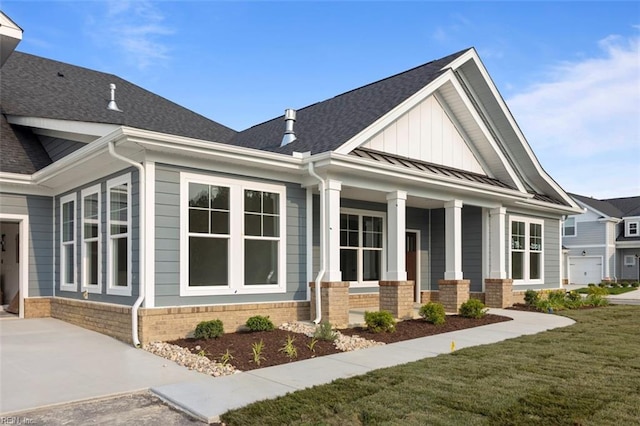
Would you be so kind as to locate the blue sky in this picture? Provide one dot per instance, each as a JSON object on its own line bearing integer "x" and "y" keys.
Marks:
{"x": 569, "y": 71}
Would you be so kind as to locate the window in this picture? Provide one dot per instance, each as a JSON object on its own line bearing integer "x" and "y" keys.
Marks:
{"x": 232, "y": 236}
{"x": 527, "y": 264}
{"x": 569, "y": 228}
{"x": 91, "y": 256}
{"x": 68, "y": 243}
{"x": 118, "y": 236}
{"x": 631, "y": 228}
{"x": 629, "y": 260}
{"x": 361, "y": 246}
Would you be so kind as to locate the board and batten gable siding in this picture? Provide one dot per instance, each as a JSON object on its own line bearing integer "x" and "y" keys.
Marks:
{"x": 134, "y": 235}
{"x": 167, "y": 242}
{"x": 39, "y": 210}
{"x": 426, "y": 133}
{"x": 59, "y": 148}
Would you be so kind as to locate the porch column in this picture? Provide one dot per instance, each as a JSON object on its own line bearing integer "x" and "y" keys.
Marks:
{"x": 497, "y": 241}
{"x": 396, "y": 219}
{"x": 453, "y": 240}
{"x": 332, "y": 231}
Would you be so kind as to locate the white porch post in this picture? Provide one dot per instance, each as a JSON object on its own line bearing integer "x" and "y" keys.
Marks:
{"x": 396, "y": 216}
{"x": 498, "y": 267}
{"x": 453, "y": 240}
{"x": 332, "y": 215}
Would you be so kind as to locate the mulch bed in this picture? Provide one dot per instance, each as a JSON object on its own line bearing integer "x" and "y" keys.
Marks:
{"x": 240, "y": 344}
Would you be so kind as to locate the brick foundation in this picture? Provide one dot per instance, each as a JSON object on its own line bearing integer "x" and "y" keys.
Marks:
{"x": 112, "y": 320}
{"x": 477, "y": 295}
{"x": 498, "y": 292}
{"x": 517, "y": 297}
{"x": 363, "y": 300}
{"x": 453, "y": 293}
{"x": 429, "y": 296}
{"x": 334, "y": 297}
{"x": 37, "y": 307}
{"x": 397, "y": 298}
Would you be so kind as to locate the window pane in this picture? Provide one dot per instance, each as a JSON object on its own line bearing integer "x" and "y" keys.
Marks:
{"x": 198, "y": 195}
{"x": 371, "y": 265}
{"x": 119, "y": 264}
{"x": 118, "y": 228}
{"x": 198, "y": 221}
{"x": 119, "y": 201}
{"x": 220, "y": 197}
{"x": 69, "y": 269}
{"x": 517, "y": 265}
{"x": 517, "y": 236}
{"x": 344, "y": 238}
{"x": 354, "y": 239}
{"x": 91, "y": 206}
{"x": 219, "y": 222}
{"x": 252, "y": 201}
{"x": 252, "y": 225}
{"x": 349, "y": 264}
{"x": 67, "y": 221}
{"x": 270, "y": 226}
{"x": 92, "y": 262}
{"x": 534, "y": 266}
{"x": 90, "y": 230}
{"x": 260, "y": 262}
{"x": 208, "y": 261}
{"x": 371, "y": 224}
{"x": 372, "y": 240}
{"x": 270, "y": 203}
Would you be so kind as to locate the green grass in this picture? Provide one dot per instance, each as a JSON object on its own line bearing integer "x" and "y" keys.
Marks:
{"x": 585, "y": 374}
{"x": 611, "y": 290}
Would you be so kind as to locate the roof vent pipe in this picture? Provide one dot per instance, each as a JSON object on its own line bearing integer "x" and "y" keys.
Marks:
{"x": 112, "y": 103}
{"x": 289, "y": 134}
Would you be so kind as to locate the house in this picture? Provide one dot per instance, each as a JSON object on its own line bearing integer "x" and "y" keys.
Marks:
{"x": 603, "y": 242}
{"x": 138, "y": 218}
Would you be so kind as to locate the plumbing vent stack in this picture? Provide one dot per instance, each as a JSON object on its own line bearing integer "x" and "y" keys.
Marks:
{"x": 289, "y": 120}
{"x": 112, "y": 106}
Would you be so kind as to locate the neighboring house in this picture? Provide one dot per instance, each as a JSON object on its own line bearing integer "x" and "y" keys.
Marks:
{"x": 138, "y": 218}
{"x": 603, "y": 242}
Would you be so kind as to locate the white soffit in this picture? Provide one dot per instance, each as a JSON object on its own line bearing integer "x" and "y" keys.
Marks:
{"x": 79, "y": 131}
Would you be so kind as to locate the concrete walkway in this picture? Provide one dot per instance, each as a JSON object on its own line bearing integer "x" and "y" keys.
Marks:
{"x": 47, "y": 361}
{"x": 208, "y": 398}
{"x": 629, "y": 298}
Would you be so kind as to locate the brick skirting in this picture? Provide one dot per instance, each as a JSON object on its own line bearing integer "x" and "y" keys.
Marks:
{"x": 363, "y": 300}
{"x": 334, "y": 299}
{"x": 106, "y": 318}
{"x": 37, "y": 307}
{"x": 397, "y": 298}
{"x": 498, "y": 292}
{"x": 453, "y": 293}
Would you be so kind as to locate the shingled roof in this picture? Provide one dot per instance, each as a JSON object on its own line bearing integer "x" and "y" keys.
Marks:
{"x": 613, "y": 207}
{"x": 20, "y": 150}
{"x": 327, "y": 125}
{"x": 33, "y": 86}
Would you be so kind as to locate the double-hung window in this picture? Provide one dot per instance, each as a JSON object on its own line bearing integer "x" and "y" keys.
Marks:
{"x": 119, "y": 235}
{"x": 527, "y": 252}
{"x": 569, "y": 227}
{"x": 68, "y": 243}
{"x": 632, "y": 228}
{"x": 91, "y": 256}
{"x": 232, "y": 236}
{"x": 361, "y": 247}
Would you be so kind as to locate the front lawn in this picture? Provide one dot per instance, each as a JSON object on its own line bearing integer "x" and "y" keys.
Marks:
{"x": 610, "y": 290}
{"x": 585, "y": 374}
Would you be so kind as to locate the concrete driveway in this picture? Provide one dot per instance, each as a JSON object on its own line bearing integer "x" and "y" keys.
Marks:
{"x": 46, "y": 361}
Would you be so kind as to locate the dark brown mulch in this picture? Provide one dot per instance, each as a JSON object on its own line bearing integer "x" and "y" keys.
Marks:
{"x": 240, "y": 344}
{"x": 523, "y": 307}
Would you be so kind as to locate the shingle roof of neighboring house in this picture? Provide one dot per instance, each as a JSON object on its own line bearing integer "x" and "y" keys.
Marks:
{"x": 603, "y": 206}
{"x": 20, "y": 150}
{"x": 327, "y": 125}
{"x": 37, "y": 87}
{"x": 629, "y": 206}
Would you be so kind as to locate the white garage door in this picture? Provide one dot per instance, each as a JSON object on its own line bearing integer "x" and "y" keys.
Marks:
{"x": 585, "y": 270}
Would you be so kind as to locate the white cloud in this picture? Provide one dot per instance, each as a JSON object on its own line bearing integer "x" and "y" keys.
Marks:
{"x": 583, "y": 121}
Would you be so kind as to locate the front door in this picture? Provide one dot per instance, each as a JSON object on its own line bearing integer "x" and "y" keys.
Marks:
{"x": 411, "y": 262}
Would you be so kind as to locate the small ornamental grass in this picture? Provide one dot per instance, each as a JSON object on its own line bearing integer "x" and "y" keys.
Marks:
{"x": 324, "y": 331}
{"x": 260, "y": 323}
{"x": 433, "y": 312}
{"x": 380, "y": 321}
{"x": 472, "y": 308}
{"x": 209, "y": 329}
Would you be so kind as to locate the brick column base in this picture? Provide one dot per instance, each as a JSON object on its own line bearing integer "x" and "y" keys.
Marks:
{"x": 498, "y": 292}
{"x": 37, "y": 307}
{"x": 334, "y": 299}
{"x": 397, "y": 298}
{"x": 453, "y": 293}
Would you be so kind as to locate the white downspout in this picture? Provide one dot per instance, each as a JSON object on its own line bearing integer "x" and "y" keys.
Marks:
{"x": 141, "y": 241}
{"x": 323, "y": 257}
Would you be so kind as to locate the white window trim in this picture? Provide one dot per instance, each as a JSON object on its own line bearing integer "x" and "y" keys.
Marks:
{"x": 111, "y": 288}
{"x": 68, "y": 286}
{"x": 575, "y": 228}
{"x": 236, "y": 237}
{"x": 91, "y": 288}
{"x": 627, "y": 227}
{"x": 527, "y": 272}
{"x": 629, "y": 260}
{"x": 383, "y": 263}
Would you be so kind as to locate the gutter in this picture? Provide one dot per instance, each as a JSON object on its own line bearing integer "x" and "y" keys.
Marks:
{"x": 141, "y": 241}
{"x": 323, "y": 257}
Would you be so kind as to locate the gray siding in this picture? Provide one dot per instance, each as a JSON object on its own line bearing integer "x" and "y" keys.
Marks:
{"x": 419, "y": 219}
{"x": 437, "y": 247}
{"x": 167, "y": 251}
{"x": 586, "y": 233}
{"x": 472, "y": 246}
{"x": 59, "y": 148}
{"x": 552, "y": 255}
{"x": 134, "y": 234}
{"x": 39, "y": 211}
{"x": 627, "y": 272}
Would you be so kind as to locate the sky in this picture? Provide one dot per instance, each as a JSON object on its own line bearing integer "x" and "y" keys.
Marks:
{"x": 568, "y": 71}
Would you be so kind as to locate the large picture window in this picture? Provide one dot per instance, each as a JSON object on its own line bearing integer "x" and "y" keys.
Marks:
{"x": 91, "y": 225}
{"x": 119, "y": 235}
{"x": 232, "y": 236}
{"x": 68, "y": 243}
{"x": 361, "y": 246}
{"x": 527, "y": 265}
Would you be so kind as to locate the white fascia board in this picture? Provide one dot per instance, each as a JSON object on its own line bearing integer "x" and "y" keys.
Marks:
{"x": 544, "y": 206}
{"x": 610, "y": 219}
{"x": 16, "y": 183}
{"x": 627, "y": 244}
{"x": 81, "y": 131}
{"x": 473, "y": 55}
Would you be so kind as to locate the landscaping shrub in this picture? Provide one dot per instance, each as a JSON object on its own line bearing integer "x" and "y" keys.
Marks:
{"x": 556, "y": 297}
{"x": 591, "y": 285}
{"x": 325, "y": 332}
{"x": 531, "y": 297}
{"x": 635, "y": 284}
{"x": 624, "y": 284}
{"x": 543, "y": 305}
{"x": 433, "y": 313}
{"x": 473, "y": 308}
{"x": 596, "y": 300}
{"x": 260, "y": 323}
{"x": 209, "y": 329}
{"x": 573, "y": 300}
{"x": 598, "y": 291}
{"x": 380, "y": 321}
{"x": 602, "y": 285}
{"x": 615, "y": 285}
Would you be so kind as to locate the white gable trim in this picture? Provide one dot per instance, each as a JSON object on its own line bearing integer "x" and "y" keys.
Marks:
{"x": 79, "y": 131}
